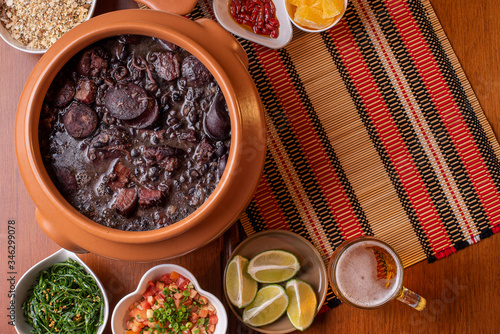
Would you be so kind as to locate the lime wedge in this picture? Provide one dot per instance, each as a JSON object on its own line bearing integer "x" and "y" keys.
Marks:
{"x": 240, "y": 287}
{"x": 273, "y": 266}
{"x": 268, "y": 306}
{"x": 303, "y": 303}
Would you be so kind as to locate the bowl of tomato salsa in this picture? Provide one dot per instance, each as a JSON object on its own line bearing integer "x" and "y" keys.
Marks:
{"x": 168, "y": 300}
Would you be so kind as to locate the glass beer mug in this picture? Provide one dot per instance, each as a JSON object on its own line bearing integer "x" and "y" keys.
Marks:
{"x": 366, "y": 272}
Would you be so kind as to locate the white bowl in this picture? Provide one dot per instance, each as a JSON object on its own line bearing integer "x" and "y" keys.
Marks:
{"x": 27, "y": 281}
{"x": 5, "y": 34}
{"x": 120, "y": 313}
{"x": 288, "y": 7}
{"x": 221, "y": 10}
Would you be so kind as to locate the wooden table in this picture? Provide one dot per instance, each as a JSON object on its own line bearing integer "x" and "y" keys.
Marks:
{"x": 463, "y": 291}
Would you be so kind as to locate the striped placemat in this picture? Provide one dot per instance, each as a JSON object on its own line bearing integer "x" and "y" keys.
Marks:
{"x": 374, "y": 129}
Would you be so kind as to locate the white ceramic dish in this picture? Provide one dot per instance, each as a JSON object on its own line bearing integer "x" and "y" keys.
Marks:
{"x": 221, "y": 10}
{"x": 27, "y": 281}
{"x": 120, "y": 313}
{"x": 4, "y": 33}
{"x": 313, "y": 269}
{"x": 289, "y": 7}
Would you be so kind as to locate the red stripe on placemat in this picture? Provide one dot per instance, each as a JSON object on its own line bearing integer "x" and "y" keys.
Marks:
{"x": 445, "y": 253}
{"x": 457, "y": 128}
{"x": 389, "y": 135}
{"x": 269, "y": 207}
{"x": 408, "y": 98}
{"x": 496, "y": 228}
{"x": 311, "y": 147}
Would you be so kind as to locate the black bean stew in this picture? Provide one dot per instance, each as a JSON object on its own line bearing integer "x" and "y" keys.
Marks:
{"x": 135, "y": 132}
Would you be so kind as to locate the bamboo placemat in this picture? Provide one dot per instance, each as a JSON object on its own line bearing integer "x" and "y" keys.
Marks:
{"x": 374, "y": 130}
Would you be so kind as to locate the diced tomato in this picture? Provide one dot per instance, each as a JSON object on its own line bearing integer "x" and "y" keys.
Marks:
{"x": 145, "y": 305}
{"x": 182, "y": 283}
{"x": 130, "y": 324}
{"x": 166, "y": 279}
{"x": 132, "y": 306}
{"x": 203, "y": 300}
{"x": 194, "y": 317}
{"x": 160, "y": 285}
{"x": 138, "y": 315}
{"x": 203, "y": 313}
{"x": 177, "y": 303}
{"x": 137, "y": 327}
{"x": 213, "y": 319}
{"x": 174, "y": 275}
{"x": 211, "y": 328}
{"x": 160, "y": 295}
{"x": 150, "y": 291}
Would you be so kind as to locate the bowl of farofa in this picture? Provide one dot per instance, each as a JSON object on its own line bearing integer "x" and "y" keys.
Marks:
{"x": 33, "y": 26}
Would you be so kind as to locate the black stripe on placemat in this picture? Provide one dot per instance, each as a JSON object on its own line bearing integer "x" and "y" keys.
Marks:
{"x": 277, "y": 115}
{"x": 404, "y": 124}
{"x": 284, "y": 198}
{"x": 430, "y": 113}
{"x": 431, "y": 116}
{"x": 351, "y": 17}
{"x": 327, "y": 146}
{"x": 288, "y": 139}
{"x": 473, "y": 123}
{"x": 255, "y": 218}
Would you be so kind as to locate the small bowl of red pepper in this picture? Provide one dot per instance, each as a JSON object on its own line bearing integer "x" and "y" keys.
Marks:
{"x": 264, "y": 22}
{"x": 169, "y": 299}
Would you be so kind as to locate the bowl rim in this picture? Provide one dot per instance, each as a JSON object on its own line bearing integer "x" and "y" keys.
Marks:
{"x": 292, "y": 237}
{"x": 222, "y": 14}
{"x": 6, "y": 36}
{"x": 76, "y": 41}
{"x": 337, "y": 19}
{"x": 28, "y": 278}
{"x": 155, "y": 272}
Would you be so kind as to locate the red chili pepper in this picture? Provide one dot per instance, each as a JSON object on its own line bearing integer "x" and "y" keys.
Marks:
{"x": 273, "y": 8}
{"x": 259, "y": 15}
{"x": 274, "y": 22}
{"x": 254, "y": 14}
{"x": 267, "y": 12}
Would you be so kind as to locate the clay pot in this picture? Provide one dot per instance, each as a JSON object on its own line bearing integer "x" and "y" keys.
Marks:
{"x": 227, "y": 61}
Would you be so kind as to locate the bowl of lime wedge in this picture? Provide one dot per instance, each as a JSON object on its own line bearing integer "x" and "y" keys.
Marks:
{"x": 275, "y": 282}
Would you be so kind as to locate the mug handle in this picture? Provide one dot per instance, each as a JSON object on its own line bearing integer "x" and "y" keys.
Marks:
{"x": 412, "y": 299}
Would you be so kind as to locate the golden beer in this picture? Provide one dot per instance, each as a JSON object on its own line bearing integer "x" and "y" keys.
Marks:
{"x": 367, "y": 273}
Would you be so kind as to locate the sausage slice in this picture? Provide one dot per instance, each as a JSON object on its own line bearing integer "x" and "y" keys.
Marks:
{"x": 195, "y": 72}
{"x": 166, "y": 65}
{"x": 147, "y": 118}
{"x": 61, "y": 92}
{"x": 217, "y": 124}
{"x": 85, "y": 91}
{"x": 67, "y": 180}
{"x": 80, "y": 121}
{"x": 127, "y": 101}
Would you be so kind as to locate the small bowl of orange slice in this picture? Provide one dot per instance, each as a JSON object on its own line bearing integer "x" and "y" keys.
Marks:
{"x": 315, "y": 15}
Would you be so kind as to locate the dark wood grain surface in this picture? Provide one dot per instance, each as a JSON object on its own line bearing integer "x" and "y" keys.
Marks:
{"x": 463, "y": 291}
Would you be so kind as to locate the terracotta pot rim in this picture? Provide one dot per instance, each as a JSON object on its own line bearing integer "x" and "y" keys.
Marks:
{"x": 76, "y": 40}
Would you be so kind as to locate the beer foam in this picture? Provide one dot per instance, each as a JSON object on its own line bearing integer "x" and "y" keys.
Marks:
{"x": 356, "y": 275}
